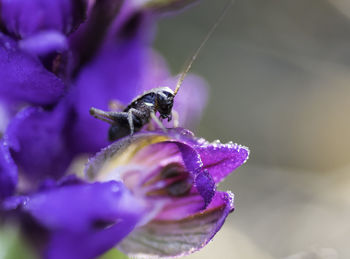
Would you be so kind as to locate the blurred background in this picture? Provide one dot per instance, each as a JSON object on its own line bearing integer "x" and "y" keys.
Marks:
{"x": 280, "y": 84}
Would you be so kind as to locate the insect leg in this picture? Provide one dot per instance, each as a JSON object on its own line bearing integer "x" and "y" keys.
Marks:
{"x": 120, "y": 128}
{"x": 101, "y": 115}
{"x": 159, "y": 123}
{"x": 175, "y": 116}
{"x": 132, "y": 112}
{"x": 110, "y": 117}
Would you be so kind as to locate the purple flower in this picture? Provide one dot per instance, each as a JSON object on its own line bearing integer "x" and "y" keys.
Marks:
{"x": 77, "y": 220}
{"x": 176, "y": 175}
{"x": 169, "y": 178}
{"x": 52, "y": 71}
{"x": 58, "y": 58}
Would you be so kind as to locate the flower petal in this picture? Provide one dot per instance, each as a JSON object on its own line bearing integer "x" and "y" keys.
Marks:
{"x": 95, "y": 217}
{"x": 91, "y": 245}
{"x": 221, "y": 159}
{"x": 8, "y": 171}
{"x": 44, "y": 42}
{"x": 164, "y": 238}
{"x": 5, "y": 115}
{"x": 24, "y": 18}
{"x": 23, "y": 77}
{"x": 37, "y": 143}
{"x": 203, "y": 181}
{"x": 86, "y": 41}
{"x": 181, "y": 208}
{"x": 86, "y": 206}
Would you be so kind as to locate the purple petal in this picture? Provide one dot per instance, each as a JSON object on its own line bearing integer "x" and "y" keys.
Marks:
{"x": 181, "y": 208}
{"x": 5, "y": 115}
{"x": 24, "y": 18}
{"x": 84, "y": 205}
{"x": 221, "y": 159}
{"x": 8, "y": 171}
{"x": 13, "y": 202}
{"x": 204, "y": 183}
{"x": 70, "y": 179}
{"x": 36, "y": 139}
{"x": 163, "y": 238}
{"x": 157, "y": 72}
{"x": 23, "y": 77}
{"x": 85, "y": 220}
{"x": 44, "y": 42}
{"x": 88, "y": 245}
{"x": 86, "y": 41}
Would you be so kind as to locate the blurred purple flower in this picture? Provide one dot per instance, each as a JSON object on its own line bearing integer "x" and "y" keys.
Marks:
{"x": 58, "y": 58}
{"x": 52, "y": 71}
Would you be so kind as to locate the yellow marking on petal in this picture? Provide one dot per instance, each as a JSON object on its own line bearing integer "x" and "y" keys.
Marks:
{"x": 123, "y": 156}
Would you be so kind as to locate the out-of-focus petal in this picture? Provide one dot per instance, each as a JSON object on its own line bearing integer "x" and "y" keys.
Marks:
{"x": 86, "y": 206}
{"x": 86, "y": 41}
{"x": 44, "y": 42}
{"x": 24, "y": 18}
{"x": 5, "y": 115}
{"x": 164, "y": 238}
{"x": 36, "y": 139}
{"x": 190, "y": 101}
{"x": 13, "y": 202}
{"x": 24, "y": 78}
{"x": 8, "y": 171}
{"x": 157, "y": 70}
{"x": 88, "y": 245}
{"x": 84, "y": 220}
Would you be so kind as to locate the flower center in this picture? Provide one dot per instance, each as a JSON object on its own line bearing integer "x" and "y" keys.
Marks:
{"x": 172, "y": 180}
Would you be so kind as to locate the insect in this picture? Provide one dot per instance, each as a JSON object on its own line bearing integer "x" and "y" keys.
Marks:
{"x": 145, "y": 106}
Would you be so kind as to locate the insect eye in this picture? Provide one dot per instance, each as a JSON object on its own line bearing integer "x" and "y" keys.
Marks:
{"x": 162, "y": 99}
{"x": 167, "y": 94}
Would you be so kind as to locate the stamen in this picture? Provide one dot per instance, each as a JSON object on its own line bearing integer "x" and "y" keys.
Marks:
{"x": 173, "y": 180}
{"x": 172, "y": 170}
{"x": 179, "y": 188}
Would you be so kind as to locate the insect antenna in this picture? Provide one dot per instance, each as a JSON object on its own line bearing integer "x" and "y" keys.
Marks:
{"x": 188, "y": 64}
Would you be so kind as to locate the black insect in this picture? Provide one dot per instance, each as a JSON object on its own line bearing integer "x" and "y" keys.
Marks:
{"x": 139, "y": 112}
{"x": 145, "y": 106}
